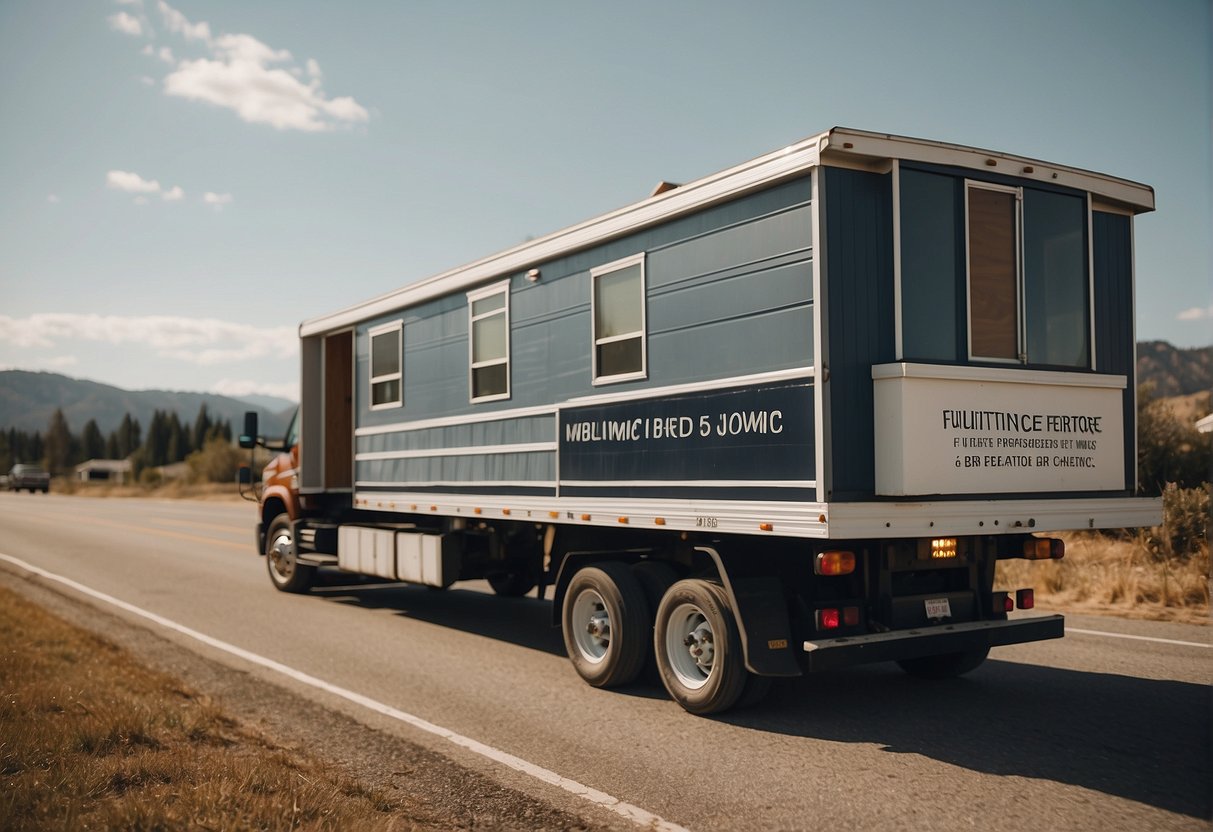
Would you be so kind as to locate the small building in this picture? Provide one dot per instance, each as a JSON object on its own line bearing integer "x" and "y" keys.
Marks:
{"x": 104, "y": 470}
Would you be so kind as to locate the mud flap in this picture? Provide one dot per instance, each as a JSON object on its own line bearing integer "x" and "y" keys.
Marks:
{"x": 766, "y": 634}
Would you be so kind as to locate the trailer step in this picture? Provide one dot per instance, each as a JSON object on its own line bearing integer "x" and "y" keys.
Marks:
{"x": 317, "y": 559}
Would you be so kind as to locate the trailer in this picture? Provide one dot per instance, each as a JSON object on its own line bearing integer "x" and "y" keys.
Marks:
{"x": 784, "y": 418}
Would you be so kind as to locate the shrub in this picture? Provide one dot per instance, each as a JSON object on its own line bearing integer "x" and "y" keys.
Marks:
{"x": 217, "y": 461}
{"x": 1185, "y": 524}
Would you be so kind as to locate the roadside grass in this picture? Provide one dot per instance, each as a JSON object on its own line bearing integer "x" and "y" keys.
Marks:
{"x": 91, "y": 739}
{"x": 1121, "y": 575}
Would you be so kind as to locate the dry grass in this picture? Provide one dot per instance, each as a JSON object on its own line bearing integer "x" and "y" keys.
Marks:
{"x": 1124, "y": 576}
{"x": 90, "y": 739}
{"x": 171, "y": 490}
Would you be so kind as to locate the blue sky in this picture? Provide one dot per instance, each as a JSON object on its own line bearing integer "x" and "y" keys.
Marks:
{"x": 185, "y": 182}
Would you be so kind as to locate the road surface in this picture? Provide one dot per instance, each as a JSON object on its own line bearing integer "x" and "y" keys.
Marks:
{"x": 1106, "y": 729}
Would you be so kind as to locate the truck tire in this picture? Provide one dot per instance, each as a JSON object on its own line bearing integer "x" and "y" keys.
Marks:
{"x": 512, "y": 584}
{"x": 698, "y": 647}
{"x": 606, "y": 624}
{"x": 286, "y": 573}
{"x": 945, "y": 665}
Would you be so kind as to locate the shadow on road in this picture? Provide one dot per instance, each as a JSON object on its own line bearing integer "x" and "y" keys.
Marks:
{"x": 1143, "y": 740}
{"x": 525, "y": 622}
{"x": 1139, "y": 739}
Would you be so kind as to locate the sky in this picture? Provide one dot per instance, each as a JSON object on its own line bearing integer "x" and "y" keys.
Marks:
{"x": 184, "y": 183}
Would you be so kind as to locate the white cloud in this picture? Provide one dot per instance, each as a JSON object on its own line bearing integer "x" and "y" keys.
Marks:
{"x": 125, "y": 23}
{"x": 176, "y": 22}
{"x": 262, "y": 85}
{"x": 123, "y": 180}
{"x": 217, "y": 200}
{"x": 199, "y": 341}
{"x": 53, "y": 199}
{"x": 146, "y": 81}
{"x": 1196, "y": 313}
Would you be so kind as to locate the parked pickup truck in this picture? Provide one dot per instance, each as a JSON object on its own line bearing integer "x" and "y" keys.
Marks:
{"x": 28, "y": 477}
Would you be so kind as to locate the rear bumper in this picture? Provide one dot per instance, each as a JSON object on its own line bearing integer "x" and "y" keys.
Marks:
{"x": 830, "y": 653}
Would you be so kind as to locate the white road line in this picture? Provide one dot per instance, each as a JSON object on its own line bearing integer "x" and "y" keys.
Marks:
{"x": 1139, "y": 638}
{"x": 619, "y": 807}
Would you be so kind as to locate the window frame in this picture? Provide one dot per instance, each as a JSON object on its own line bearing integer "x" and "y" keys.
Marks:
{"x": 500, "y": 288}
{"x": 398, "y": 376}
{"x": 642, "y": 333}
{"x": 1020, "y": 335}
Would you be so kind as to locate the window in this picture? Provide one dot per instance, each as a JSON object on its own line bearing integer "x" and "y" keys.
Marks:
{"x": 489, "y": 347}
{"x": 993, "y": 273}
{"x": 386, "y": 376}
{"x": 992, "y": 226}
{"x": 619, "y": 320}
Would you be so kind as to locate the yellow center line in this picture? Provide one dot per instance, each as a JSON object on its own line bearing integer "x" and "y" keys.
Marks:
{"x": 212, "y": 526}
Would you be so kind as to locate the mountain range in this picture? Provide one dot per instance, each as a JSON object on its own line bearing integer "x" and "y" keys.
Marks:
{"x": 1174, "y": 371}
{"x": 29, "y": 399}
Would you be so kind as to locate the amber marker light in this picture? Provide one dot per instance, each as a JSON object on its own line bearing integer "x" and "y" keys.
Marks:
{"x": 834, "y": 563}
{"x": 585, "y": 518}
{"x": 623, "y": 520}
{"x": 553, "y": 514}
{"x": 660, "y": 521}
{"x": 506, "y": 512}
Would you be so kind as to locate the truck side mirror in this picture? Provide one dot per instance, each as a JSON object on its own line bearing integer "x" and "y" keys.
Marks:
{"x": 244, "y": 475}
{"x": 248, "y": 436}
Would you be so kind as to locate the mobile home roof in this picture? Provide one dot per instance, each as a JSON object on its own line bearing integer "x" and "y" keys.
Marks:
{"x": 840, "y": 145}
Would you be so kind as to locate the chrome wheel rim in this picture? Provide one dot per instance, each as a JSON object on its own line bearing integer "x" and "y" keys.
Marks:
{"x": 690, "y": 646}
{"x": 591, "y": 622}
{"x": 282, "y": 554}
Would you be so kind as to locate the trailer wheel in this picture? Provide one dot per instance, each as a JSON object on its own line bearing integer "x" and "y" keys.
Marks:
{"x": 606, "y": 624}
{"x": 698, "y": 647}
{"x": 945, "y": 665}
{"x": 286, "y": 573}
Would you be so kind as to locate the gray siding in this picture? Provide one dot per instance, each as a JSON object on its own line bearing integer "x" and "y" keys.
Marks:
{"x": 1112, "y": 245}
{"x": 728, "y": 293}
{"x": 859, "y": 276}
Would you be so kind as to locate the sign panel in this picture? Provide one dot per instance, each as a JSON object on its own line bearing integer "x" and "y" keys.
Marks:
{"x": 729, "y": 441}
{"x": 952, "y": 435}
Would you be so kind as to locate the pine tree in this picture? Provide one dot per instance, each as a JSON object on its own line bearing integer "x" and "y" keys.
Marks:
{"x": 112, "y": 447}
{"x": 58, "y": 450}
{"x": 92, "y": 443}
{"x": 202, "y": 428}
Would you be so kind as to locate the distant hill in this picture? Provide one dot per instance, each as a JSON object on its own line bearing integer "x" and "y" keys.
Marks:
{"x": 1174, "y": 371}
{"x": 28, "y": 400}
{"x": 270, "y": 403}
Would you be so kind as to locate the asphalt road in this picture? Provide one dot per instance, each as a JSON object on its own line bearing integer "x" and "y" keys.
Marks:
{"x": 1093, "y": 731}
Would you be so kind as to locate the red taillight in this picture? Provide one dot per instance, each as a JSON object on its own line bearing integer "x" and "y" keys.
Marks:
{"x": 1001, "y": 602}
{"x": 850, "y": 616}
{"x": 1025, "y": 599}
{"x": 828, "y": 619}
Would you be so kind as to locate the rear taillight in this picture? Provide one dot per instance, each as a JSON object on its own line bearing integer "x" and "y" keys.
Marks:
{"x": 834, "y": 563}
{"x": 1025, "y": 599}
{"x": 1001, "y": 602}
{"x": 832, "y": 618}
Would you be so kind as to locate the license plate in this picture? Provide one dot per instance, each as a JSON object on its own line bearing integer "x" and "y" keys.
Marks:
{"x": 938, "y": 608}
